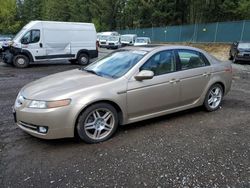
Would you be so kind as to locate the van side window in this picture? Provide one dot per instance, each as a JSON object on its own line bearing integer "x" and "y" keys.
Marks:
{"x": 161, "y": 63}
{"x": 191, "y": 59}
{"x": 35, "y": 36}
{"x": 32, "y": 36}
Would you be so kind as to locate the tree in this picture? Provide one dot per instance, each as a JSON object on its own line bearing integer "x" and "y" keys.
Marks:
{"x": 8, "y": 17}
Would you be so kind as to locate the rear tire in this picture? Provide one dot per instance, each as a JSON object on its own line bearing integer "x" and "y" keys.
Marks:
{"x": 230, "y": 56}
{"x": 97, "y": 123}
{"x": 83, "y": 59}
{"x": 21, "y": 61}
{"x": 213, "y": 98}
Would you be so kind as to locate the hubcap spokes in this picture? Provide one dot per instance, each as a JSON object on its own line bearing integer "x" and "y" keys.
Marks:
{"x": 21, "y": 61}
{"x": 214, "y": 98}
{"x": 99, "y": 123}
{"x": 84, "y": 60}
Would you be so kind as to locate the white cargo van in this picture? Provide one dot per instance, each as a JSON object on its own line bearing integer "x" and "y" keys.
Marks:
{"x": 128, "y": 39}
{"x": 114, "y": 42}
{"x": 48, "y": 40}
{"x": 103, "y": 40}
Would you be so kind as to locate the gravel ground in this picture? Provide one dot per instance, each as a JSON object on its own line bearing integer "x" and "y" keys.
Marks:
{"x": 186, "y": 149}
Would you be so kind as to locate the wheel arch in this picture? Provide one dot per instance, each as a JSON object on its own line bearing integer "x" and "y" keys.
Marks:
{"x": 115, "y": 105}
{"x": 83, "y": 51}
{"x": 26, "y": 53}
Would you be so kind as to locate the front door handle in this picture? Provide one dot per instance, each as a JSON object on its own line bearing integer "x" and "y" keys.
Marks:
{"x": 41, "y": 45}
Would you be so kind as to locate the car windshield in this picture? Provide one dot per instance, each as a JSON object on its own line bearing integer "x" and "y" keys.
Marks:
{"x": 141, "y": 41}
{"x": 244, "y": 46}
{"x": 116, "y": 64}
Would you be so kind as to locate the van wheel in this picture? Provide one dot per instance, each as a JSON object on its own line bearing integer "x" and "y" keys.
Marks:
{"x": 83, "y": 59}
{"x": 21, "y": 61}
{"x": 97, "y": 123}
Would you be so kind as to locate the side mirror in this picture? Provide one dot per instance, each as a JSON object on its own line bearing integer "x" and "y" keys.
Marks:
{"x": 24, "y": 41}
{"x": 144, "y": 75}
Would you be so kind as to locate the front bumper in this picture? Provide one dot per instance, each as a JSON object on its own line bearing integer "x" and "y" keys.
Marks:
{"x": 245, "y": 57}
{"x": 58, "y": 121}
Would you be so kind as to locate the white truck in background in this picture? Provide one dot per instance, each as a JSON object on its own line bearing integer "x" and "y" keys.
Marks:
{"x": 114, "y": 42}
{"x": 49, "y": 40}
{"x": 128, "y": 39}
{"x": 103, "y": 39}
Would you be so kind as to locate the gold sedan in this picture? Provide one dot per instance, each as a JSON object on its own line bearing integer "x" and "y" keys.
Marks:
{"x": 126, "y": 86}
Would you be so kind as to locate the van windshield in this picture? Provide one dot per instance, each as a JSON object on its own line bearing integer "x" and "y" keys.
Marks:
{"x": 141, "y": 40}
{"x": 104, "y": 37}
{"x": 116, "y": 64}
{"x": 114, "y": 38}
{"x": 19, "y": 34}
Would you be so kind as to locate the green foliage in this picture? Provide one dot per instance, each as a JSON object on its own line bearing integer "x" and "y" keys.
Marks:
{"x": 8, "y": 17}
{"x": 121, "y": 14}
{"x": 244, "y": 9}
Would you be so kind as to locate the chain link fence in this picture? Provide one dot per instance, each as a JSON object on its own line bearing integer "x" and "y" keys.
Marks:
{"x": 219, "y": 32}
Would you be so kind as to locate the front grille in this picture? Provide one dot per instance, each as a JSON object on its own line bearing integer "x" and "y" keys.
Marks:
{"x": 28, "y": 126}
{"x": 112, "y": 44}
{"x": 103, "y": 42}
{"x": 246, "y": 55}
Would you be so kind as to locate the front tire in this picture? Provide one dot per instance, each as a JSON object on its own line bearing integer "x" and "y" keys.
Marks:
{"x": 213, "y": 98}
{"x": 235, "y": 59}
{"x": 97, "y": 123}
{"x": 21, "y": 61}
{"x": 83, "y": 59}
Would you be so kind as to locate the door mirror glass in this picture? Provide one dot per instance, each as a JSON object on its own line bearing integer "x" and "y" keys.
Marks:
{"x": 144, "y": 75}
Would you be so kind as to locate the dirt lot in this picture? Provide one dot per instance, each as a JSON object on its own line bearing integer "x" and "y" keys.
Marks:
{"x": 187, "y": 149}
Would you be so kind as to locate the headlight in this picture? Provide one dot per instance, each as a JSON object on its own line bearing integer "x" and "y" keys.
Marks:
{"x": 240, "y": 53}
{"x": 49, "y": 104}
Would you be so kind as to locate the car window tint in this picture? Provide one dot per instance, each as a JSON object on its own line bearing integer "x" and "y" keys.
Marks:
{"x": 161, "y": 63}
{"x": 190, "y": 59}
{"x": 35, "y": 36}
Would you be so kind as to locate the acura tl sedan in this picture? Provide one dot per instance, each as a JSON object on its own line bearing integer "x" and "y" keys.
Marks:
{"x": 126, "y": 86}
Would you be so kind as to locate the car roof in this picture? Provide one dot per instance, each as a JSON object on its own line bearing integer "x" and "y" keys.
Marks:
{"x": 152, "y": 47}
{"x": 142, "y": 37}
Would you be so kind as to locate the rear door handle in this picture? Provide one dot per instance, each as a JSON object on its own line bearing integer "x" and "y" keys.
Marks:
{"x": 174, "y": 81}
{"x": 206, "y": 74}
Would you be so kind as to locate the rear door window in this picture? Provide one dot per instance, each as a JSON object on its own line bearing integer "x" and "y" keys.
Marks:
{"x": 190, "y": 59}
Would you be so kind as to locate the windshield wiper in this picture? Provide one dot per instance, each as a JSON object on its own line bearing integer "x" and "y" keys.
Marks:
{"x": 92, "y": 72}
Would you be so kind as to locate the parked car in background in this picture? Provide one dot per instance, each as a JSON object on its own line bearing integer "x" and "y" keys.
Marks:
{"x": 48, "y": 40}
{"x": 126, "y": 86}
{"x": 98, "y": 36}
{"x": 103, "y": 39}
{"x": 240, "y": 51}
{"x": 140, "y": 41}
{"x": 114, "y": 42}
{"x": 5, "y": 41}
{"x": 128, "y": 39}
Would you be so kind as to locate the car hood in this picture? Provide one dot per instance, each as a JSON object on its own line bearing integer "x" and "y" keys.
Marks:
{"x": 61, "y": 85}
